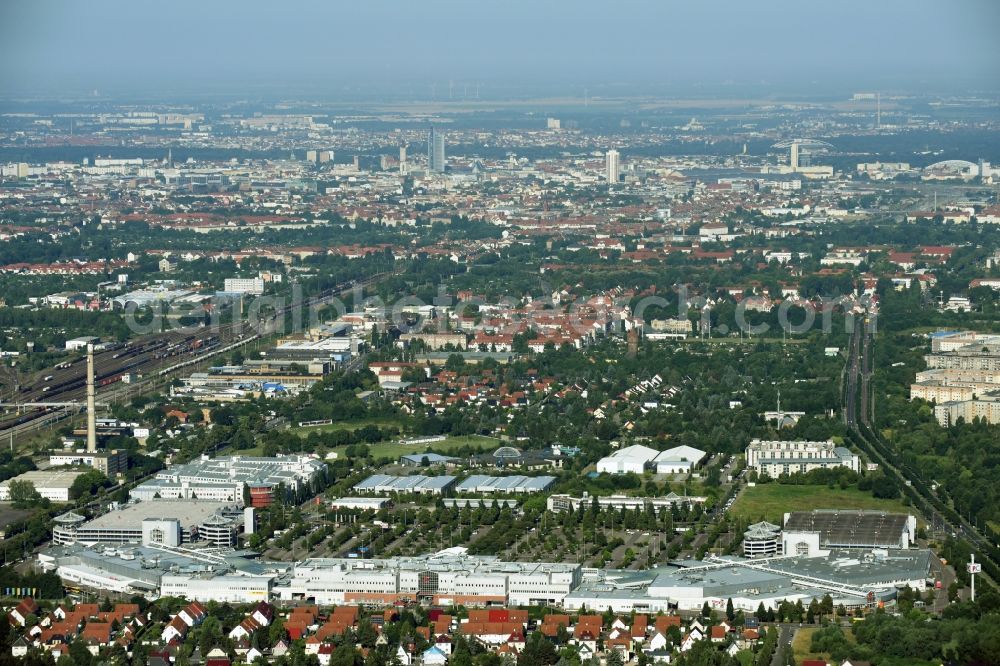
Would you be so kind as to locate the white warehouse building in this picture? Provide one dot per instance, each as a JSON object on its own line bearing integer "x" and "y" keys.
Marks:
{"x": 856, "y": 577}
{"x": 629, "y": 459}
{"x": 222, "y": 479}
{"x": 848, "y": 576}
{"x": 52, "y": 484}
{"x": 637, "y": 458}
{"x": 157, "y": 570}
{"x": 445, "y": 578}
{"x": 226, "y": 588}
{"x": 678, "y": 460}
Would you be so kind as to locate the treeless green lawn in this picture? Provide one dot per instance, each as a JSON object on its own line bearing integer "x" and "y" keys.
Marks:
{"x": 772, "y": 500}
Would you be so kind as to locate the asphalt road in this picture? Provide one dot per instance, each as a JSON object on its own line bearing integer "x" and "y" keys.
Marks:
{"x": 785, "y": 635}
{"x": 859, "y": 373}
{"x": 945, "y": 574}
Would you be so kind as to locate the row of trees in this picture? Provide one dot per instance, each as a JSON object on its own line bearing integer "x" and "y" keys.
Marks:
{"x": 963, "y": 461}
{"x": 963, "y": 636}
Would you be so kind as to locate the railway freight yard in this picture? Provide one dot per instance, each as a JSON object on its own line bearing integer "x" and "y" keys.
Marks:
{"x": 118, "y": 368}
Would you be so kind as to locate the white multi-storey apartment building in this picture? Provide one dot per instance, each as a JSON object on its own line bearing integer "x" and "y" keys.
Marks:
{"x": 611, "y": 165}
{"x": 971, "y": 357}
{"x": 775, "y": 458}
{"x": 985, "y": 407}
{"x": 252, "y": 286}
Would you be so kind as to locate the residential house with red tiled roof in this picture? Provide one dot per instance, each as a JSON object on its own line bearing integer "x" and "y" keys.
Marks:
{"x": 176, "y": 629}
{"x": 19, "y": 614}
{"x": 663, "y": 622}
{"x": 491, "y": 633}
{"x": 96, "y": 635}
{"x": 325, "y": 653}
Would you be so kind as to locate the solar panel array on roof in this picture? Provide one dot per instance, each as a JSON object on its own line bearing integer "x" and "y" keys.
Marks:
{"x": 385, "y": 483}
{"x": 472, "y": 484}
{"x": 373, "y": 482}
{"x": 407, "y": 483}
{"x": 480, "y": 483}
{"x": 440, "y": 482}
{"x": 851, "y": 528}
{"x": 537, "y": 484}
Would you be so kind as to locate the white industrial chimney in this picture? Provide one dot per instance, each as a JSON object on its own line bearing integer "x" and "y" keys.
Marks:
{"x": 91, "y": 407}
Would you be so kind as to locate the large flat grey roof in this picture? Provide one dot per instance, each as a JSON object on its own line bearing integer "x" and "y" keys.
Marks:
{"x": 853, "y": 568}
{"x": 48, "y": 478}
{"x": 189, "y": 512}
{"x": 515, "y": 483}
{"x": 403, "y": 484}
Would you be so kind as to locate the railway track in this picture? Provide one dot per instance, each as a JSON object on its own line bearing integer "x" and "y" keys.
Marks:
{"x": 155, "y": 356}
{"x": 858, "y": 415}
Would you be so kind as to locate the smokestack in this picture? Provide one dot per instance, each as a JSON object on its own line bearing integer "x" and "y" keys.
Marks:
{"x": 91, "y": 408}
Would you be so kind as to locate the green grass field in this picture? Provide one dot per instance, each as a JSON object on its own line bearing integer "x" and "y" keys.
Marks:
{"x": 395, "y": 449}
{"x": 802, "y": 643}
{"x": 772, "y": 500}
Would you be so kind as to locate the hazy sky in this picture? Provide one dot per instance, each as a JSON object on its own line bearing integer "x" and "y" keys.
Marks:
{"x": 221, "y": 45}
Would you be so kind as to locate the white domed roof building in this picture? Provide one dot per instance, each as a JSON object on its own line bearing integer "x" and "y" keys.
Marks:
{"x": 951, "y": 170}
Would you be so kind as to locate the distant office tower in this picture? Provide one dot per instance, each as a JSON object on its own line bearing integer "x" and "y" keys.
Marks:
{"x": 611, "y": 163}
{"x": 793, "y": 156}
{"x": 553, "y": 123}
{"x": 325, "y": 156}
{"x": 435, "y": 151}
{"x": 312, "y": 156}
{"x": 402, "y": 159}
